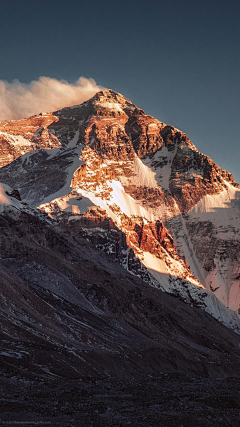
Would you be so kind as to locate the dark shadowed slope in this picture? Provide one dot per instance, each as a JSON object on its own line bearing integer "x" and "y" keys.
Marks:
{"x": 67, "y": 310}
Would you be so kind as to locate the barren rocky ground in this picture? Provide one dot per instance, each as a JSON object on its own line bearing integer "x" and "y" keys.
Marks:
{"x": 169, "y": 400}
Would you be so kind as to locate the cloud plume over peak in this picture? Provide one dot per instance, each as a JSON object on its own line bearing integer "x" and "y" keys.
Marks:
{"x": 19, "y": 100}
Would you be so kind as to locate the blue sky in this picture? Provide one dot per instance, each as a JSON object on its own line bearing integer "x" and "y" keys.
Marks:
{"x": 178, "y": 60}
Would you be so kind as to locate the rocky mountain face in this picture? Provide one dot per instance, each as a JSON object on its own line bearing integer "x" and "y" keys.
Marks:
{"x": 136, "y": 188}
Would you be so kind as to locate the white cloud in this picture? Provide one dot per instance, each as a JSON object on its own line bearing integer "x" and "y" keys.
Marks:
{"x": 18, "y": 100}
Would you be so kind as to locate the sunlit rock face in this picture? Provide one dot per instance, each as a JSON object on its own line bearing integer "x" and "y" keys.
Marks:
{"x": 18, "y": 137}
{"x": 174, "y": 211}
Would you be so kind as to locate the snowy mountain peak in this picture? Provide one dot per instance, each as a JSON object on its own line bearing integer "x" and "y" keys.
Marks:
{"x": 105, "y": 163}
{"x": 111, "y": 96}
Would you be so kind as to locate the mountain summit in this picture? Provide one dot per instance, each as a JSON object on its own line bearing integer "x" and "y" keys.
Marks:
{"x": 139, "y": 190}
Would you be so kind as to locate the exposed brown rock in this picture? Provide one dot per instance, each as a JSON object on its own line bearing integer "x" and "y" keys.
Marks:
{"x": 18, "y": 137}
